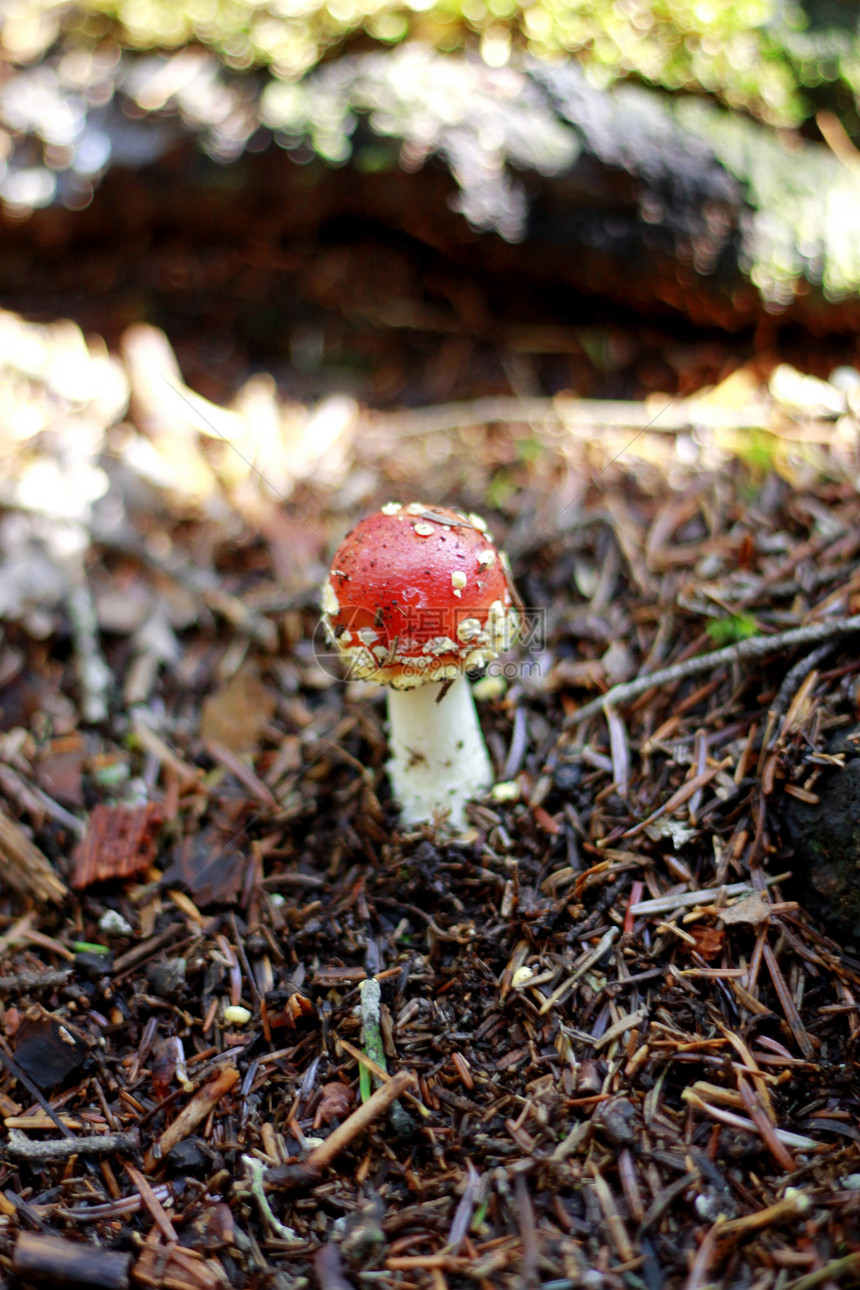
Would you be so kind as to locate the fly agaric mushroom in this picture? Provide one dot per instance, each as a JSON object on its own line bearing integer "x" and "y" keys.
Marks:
{"x": 416, "y": 595}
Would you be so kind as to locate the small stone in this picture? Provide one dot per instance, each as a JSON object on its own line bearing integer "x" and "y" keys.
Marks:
{"x": 166, "y": 978}
{"x": 507, "y": 791}
{"x": 112, "y": 923}
{"x": 616, "y": 1118}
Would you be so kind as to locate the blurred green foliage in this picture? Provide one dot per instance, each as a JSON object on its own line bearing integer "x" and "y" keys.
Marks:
{"x": 762, "y": 56}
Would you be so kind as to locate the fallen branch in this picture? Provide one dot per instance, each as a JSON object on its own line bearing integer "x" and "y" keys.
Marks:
{"x": 31, "y": 981}
{"x": 743, "y": 651}
{"x": 586, "y": 415}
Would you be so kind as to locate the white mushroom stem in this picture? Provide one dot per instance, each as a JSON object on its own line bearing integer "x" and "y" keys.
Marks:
{"x": 439, "y": 760}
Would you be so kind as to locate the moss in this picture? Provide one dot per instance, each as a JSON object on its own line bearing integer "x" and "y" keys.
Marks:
{"x": 761, "y": 56}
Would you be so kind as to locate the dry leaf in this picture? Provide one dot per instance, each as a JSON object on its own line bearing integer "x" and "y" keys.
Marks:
{"x": 753, "y": 909}
{"x": 334, "y": 1103}
{"x": 48, "y": 1048}
{"x": 60, "y": 767}
{"x": 207, "y": 868}
{"x": 237, "y": 714}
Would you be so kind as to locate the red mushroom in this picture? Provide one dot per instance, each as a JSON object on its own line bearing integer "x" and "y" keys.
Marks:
{"x": 416, "y": 595}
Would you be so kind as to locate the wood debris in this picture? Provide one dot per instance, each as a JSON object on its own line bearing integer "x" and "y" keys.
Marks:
{"x": 24, "y": 867}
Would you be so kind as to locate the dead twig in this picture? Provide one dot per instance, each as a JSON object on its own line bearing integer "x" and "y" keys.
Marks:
{"x": 20, "y": 1147}
{"x": 191, "y": 1115}
{"x": 754, "y": 648}
{"x": 584, "y": 414}
{"x": 363, "y": 1116}
{"x": 290, "y": 1176}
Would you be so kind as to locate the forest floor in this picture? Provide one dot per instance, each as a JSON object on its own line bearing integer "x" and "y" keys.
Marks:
{"x": 623, "y": 1045}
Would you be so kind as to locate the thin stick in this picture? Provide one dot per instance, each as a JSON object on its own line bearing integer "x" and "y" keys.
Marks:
{"x": 585, "y": 414}
{"x": 20, "y": 1147}
{"x": 362, "y": 1117}
{"x": 381, "y": 1075}
{"x": 755, "y": 647}
{"x": 190, "y": 1116}
{"x": 152, "y": 1203}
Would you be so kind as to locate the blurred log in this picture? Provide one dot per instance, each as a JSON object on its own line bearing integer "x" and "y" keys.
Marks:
{"x": 521, "y": 173}
{"x": 61, "y": 1262}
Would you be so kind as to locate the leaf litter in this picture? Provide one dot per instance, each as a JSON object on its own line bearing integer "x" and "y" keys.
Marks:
{"x": 606, "y": 1044}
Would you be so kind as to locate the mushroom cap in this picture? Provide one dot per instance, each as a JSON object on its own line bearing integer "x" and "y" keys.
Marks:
{"x": 419, "y": 593}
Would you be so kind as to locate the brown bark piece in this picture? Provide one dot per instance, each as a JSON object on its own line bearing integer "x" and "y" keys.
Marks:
{"x": 25, "y": 868}
{"x": 120, "y": 842}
